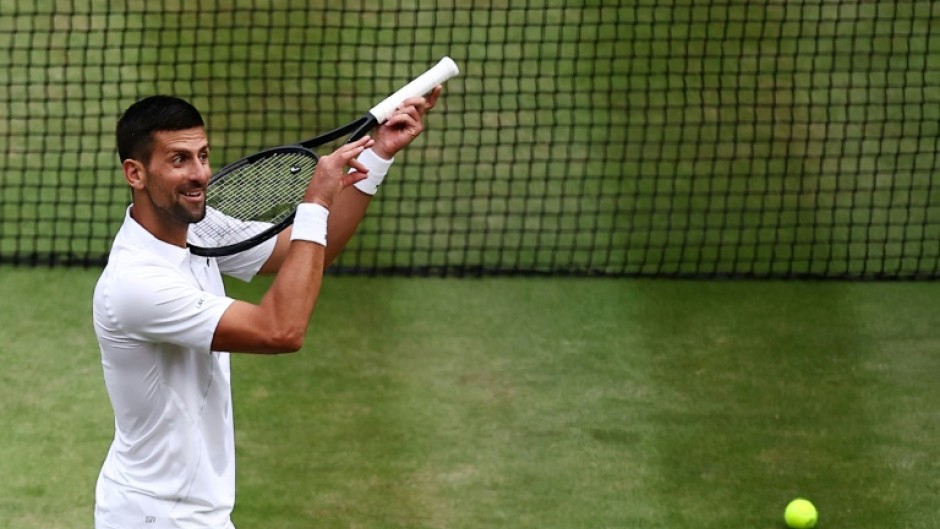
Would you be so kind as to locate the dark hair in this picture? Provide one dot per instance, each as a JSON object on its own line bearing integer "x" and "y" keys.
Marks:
{"x": 152, "y": 114}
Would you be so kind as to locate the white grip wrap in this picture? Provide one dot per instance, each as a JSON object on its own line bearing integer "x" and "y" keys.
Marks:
{"x": 310, "y": 223}
{"x": 424, "y": 83}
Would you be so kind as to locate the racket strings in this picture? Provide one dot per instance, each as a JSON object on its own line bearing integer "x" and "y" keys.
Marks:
{"x": 252, "y": 198}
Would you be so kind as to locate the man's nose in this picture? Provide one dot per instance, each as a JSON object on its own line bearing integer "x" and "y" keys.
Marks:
{"x": 200, "y": 172}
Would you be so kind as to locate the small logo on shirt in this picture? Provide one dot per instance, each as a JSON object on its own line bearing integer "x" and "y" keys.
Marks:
{"x": 150, "y": 519}
{"x": 200, "y": 302}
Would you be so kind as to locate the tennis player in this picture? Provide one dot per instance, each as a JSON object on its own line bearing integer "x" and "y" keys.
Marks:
{"x": 164, "y": 323}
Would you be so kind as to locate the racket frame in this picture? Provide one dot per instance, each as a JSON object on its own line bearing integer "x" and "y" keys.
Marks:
{"x": 424, "y": 83}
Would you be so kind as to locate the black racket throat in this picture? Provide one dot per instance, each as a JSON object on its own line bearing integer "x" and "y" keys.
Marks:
{"x": 353, "y": 131}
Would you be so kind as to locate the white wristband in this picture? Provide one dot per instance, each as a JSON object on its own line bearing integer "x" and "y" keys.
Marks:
{"x": 378, "y": 168}
{"x": 310, "y": 223}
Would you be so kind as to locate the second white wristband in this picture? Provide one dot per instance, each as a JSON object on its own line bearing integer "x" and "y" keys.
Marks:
{"x": 378, "y": 168}
{"x": 310, "y": 223}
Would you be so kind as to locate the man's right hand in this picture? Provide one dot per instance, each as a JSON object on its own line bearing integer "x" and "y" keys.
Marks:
{"x": 331, "y": 176}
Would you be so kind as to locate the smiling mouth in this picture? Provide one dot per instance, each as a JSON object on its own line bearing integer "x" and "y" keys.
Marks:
{"x": 195, "y": 194}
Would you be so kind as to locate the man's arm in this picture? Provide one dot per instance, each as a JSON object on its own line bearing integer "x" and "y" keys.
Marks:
{"x": 278, "y": 323}
{"x": 347, "y": 212}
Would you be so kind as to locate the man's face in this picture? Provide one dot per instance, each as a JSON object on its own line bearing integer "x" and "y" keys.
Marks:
{"x": 177, "y": 174}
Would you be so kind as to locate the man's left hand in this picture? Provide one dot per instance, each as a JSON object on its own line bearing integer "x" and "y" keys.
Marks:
{"x": 404, "y": 125}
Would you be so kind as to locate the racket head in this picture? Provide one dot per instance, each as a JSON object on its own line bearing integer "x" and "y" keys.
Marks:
{"x": 251, "y": 200}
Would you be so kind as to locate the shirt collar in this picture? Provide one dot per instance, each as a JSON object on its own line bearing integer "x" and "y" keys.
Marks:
{"x": 139, "y": 237}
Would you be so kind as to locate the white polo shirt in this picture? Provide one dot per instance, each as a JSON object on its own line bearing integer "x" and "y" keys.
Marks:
{"x": 172, "y": 462}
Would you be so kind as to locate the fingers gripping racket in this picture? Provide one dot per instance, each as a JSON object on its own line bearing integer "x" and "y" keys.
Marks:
{"x": 255, "y": 198}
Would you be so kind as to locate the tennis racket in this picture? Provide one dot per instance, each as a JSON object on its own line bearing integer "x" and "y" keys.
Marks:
{"x": 255, "y": 198}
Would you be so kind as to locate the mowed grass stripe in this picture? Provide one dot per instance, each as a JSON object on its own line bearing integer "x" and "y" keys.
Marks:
{"x": 773, "y": 391}
{"x": 57, "y": 423}
{"x": 529, "y": 381}
{"x": 456, "y": 404}
{"x": 902, "y": 401}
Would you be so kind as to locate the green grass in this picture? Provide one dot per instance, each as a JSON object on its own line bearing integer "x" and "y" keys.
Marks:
{"x": 524, "y": 403}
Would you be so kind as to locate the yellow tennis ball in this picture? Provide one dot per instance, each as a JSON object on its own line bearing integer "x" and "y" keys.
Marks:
{"x": 800, "y": 514}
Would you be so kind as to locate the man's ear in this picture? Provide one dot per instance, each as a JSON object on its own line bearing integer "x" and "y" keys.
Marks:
{"x": 134, "y": 173}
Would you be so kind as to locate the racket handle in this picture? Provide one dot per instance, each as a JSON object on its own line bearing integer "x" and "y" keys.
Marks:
{"x": 424, "y": 83}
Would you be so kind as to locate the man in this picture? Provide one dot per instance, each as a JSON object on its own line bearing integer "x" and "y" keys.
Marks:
{"x": 163, "y": 321}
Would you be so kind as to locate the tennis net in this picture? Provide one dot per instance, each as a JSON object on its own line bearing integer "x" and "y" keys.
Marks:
{"x": 720, "y": 138}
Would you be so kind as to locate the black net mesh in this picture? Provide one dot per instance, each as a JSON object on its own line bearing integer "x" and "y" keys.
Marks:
{"x": 751, "y": 138}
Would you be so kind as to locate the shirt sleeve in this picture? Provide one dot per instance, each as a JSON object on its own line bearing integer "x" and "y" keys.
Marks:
{"x": 245, "y": 265}
{"x": 157, "y": 304}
